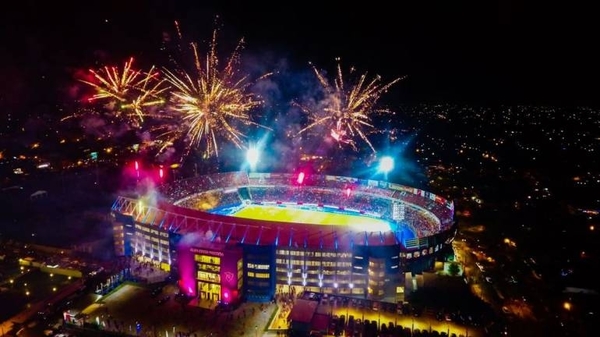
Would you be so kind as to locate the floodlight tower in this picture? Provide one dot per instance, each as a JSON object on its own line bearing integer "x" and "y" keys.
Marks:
{"x": 386, "y": 164}
{"x": 252, "y": 157}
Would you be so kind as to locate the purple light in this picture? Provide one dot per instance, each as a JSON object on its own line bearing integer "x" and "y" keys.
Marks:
{"x": 187, "y": 281}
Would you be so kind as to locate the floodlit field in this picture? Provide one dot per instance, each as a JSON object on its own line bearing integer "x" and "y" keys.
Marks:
{"x": 291, "y": 215}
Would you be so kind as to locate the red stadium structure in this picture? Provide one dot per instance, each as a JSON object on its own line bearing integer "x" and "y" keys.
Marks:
{"x": 185, "y": 227}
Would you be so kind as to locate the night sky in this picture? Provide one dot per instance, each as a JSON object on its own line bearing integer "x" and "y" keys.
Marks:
{"x": 482, "y": 52}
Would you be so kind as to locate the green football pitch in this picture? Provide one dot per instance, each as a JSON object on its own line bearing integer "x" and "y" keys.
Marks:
{"x": 291, "y": 215}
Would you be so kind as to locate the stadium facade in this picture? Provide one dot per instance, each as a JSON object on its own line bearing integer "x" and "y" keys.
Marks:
{"x": 182, "y": 229}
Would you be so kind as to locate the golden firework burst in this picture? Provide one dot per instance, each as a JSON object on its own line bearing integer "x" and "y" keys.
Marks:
{"x": 128, "y": 92}
{"x": 212, "y": 102}
{"x": 347, "y": 109}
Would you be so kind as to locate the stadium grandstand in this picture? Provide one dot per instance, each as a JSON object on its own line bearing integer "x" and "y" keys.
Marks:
{"x": 240, "y": 235}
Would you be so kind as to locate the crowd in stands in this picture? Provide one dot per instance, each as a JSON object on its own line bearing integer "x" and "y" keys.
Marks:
{"x": 367, "y": 189}
{"x": 427, "y": 218}
{"x": 271, "y": 179}
{"x": 180, "y": 189}
{"x": 211, "y": 200}
{"x": 444, "y": 213}
{"x": 420, "y": 225}
{"x": 231, "y": 199}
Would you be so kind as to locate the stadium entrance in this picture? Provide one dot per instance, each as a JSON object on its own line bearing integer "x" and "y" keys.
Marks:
{"x": 209, "y": 291}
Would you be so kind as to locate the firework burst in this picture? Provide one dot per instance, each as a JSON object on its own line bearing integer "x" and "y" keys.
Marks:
{"x": 211, "y": 102}
{"x": 348, "y": 108}
{"x": 128, "y": 92}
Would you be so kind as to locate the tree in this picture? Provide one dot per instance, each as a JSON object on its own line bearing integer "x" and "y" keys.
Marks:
{"x": 453, "y": 269}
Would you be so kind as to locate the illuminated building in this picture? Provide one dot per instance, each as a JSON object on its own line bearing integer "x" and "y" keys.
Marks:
{"x": 225, "y": 258}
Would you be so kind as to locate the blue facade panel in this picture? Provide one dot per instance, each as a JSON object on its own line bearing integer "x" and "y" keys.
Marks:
{"x": 259, "y": 272}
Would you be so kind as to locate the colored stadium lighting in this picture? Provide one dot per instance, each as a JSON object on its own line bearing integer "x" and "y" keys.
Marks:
{"x": 137, "y": 166}
{"x": 161, "y": 173}
{"x": 386, "y": 164}
{"x": 300, "y": 178}
{"x": 252, "y": 157}
{"x": 384, "y": 222}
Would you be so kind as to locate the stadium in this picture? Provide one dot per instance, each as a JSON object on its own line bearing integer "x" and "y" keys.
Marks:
{"x": 236, "y": 236}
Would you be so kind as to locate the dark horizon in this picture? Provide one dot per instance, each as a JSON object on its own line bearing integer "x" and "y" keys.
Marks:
{"x": 486, "y": 54}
